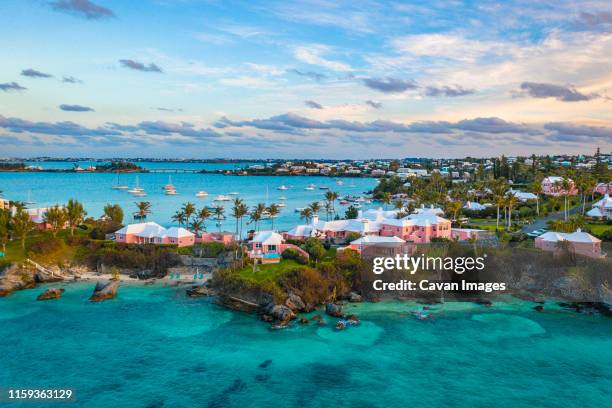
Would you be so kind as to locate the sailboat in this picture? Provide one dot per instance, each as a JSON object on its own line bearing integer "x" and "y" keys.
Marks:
{"x": 118, "y": 186}
{"x": 29, "y": 200}
{"x": 137, "y": 191}
{"x": 169, "y": 188}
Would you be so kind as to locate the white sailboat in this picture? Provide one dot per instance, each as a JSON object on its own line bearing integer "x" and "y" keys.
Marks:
{"x": 118, "y": 186}
{"x": 283, "y": 187}
{"x": 201, "y": 194}
{"x": 137, "y": 190}
{"x": 29, "y": 200}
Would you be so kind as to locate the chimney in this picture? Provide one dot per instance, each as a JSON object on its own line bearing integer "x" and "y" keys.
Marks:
{"x": 360, "y": 214}
{"x": 366, "y": 225}
{"x": 315, "y": 219}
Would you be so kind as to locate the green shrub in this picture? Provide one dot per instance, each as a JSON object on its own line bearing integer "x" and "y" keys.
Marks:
{"x": 46, "y": 246}
{"x": 292, "y": 253}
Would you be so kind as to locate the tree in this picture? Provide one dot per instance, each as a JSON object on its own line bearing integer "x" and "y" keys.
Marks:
{"x": 144, "y": 209}
{"x": 273, "y": 211}
{"x": 179, "y": 217}
{"x": 315, "y": 206}
{"x": 56, "y": 217}
{"x": 114, "y": 212}
{"x": 188, "y": 209}
{"x": 219, "y": 212}
{"x": 500, "y": 201}
{"x": 75, "y": 213}
{"x": 22, "y": 225}
{"x": 306, "y": 214}
{"x": 196, "y": 226}
{"x": 398, "y": 204}
{"x": 237, "y": 213}
{"x": 257, "y": 214}
{"x": 203, "y": 215}
{"x": 314, "y": 248}
{"x": 331, "y": 197}
{"x": 511, "y": 202}
{"x": 453, "y": 207}
{"x": 536, "y": 188}
{"x": 328, "y": 209}
{"x": 5, "y": 225}
{"x": 386, "y": 198}
{"x": 351, "y": 212}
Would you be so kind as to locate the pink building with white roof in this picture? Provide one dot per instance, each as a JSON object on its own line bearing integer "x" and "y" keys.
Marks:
{"x": 603, "y": 188}
{"x": 601, "y": 208}
{"x": 153, "y": 233}
{"x": 550, "y": 186}
{"x": 580, "y": 242}
{"x": 268, "y": 246}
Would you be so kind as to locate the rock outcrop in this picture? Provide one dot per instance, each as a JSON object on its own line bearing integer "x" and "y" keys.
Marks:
{"x": 14, "y": 278}
{"x": 277, "y": 314}
{"x": 295, "y": 303}
{"x": 50, "y": 294}
{"x": 199, "y": 291}
{"x": 333, "y": 310}
{"x": 104, "y": 291}
{"x": 354, "y": 297}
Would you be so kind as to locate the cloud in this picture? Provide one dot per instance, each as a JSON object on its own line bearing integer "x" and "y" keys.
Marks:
{"x": 374, "y": 104}
{"x": 569, "y": 132}
{"x": 308, "y": 74}
{"x": 82, "y": 8}
{"x": 75, "y": 108}
{"x": 313, "y": 105}
{"x": 139, "y": 66}
{"x": 184, "y": 129}
{"x": 11, "y": 86}
{"x": 163, "y": 109}
{"x": 559, "y": 92}
{"x": 53, "y": 128}
{"x": 71, "y": 80}
{"x": 447, "y": 91}
{"x": 313, "y": 55}
{"x": 32, "y": 73}
{"x": 599, "y": 20}
{"x": 492, "y": 125}
{"x": 389, "y": 85}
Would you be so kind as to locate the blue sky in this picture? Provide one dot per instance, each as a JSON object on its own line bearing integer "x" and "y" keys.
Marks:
{"x": 190, "y": 78}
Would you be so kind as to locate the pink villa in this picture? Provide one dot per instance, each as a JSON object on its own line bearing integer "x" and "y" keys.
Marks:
{"x": 37, "y": 216}
{"x": 602, "y": 208}
{"x": 465, "y": 234}
{"x": 224, "y": 237}
{"x": 375, "y": 245}
{"x": 153, "y": 233}
{"x": 418, "y": 228}
{"x": 603, "y": 188}
{"x": 268, "y": 246}
{"x": 550, "y": 188}
{"x": 579, "y": 242}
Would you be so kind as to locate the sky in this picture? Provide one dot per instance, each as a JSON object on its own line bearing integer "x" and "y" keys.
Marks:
{"x": 305, "y": 78}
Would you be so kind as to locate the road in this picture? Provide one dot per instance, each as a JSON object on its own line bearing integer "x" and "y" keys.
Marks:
{"x": 540, "y": 223}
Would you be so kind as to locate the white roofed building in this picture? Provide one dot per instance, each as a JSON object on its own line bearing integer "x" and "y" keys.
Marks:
{"x": 579, "y": 242}
{"x": 153, "y": 233}
{"x": 601, "y": 208}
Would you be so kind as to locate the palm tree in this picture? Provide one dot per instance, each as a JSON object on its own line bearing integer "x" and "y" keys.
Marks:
{"x": 315, "y": 206}
{"x": 453, "y": 207}
{"x": 256, "y": 214}
{"x": 331, "y": 196}
{"x": 500, "y": 201}
{"x": 56, "y": 217}
{"x": 306, "y": 214}
{"x": 328, "y": 209}
{"x": 196, "y": 226}
{"x": 5, "y": 227}
{"x": 219, "y": 211}
{"x": 511, "y": 202}
{"x": 398, "y": 204}
{"x": 144, "y": 208}
{"x": 203, "y": 215}
{"x": 75, "y": 214}
{"x": 179, "y": 217}
{"x": 22, "y": 225}
{"x": 536, "y": 188}
{"x": 564, "y": 187}
{"x": 386, "y": 198}
{"x": 274, "y": 210}
{"x": 236, "y": 213}
{"x": 114, "y": 212}
{"x": 189, "y": 209}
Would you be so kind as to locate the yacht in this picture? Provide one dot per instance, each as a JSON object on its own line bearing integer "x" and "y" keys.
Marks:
{"x": 283, "y": 187}
{"x": 233, "y": 193}
{"x": 310, "y": 187}
{"x": 280, "y": 205}
{"x": 136, "y": 190}
{"x": 201, "y": 194}
{"x": 222, "y": 197}
{"x": 118, "y": 186}
{"x": 170, "y": 192}
{"x": 339, "y": 182}
{"x": 283, "y": 198}
{"x": 323, "y": 188}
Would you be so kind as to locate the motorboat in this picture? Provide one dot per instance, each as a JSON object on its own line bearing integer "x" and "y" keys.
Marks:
{"x": 282, "y": 198}
{"x": 201, "y": 194}
{"x": 233, "y": 193}
{"x": 310, "y": 187}
{"x": 339, "y": 182}
{"x": 283, "y": 187}
{"x": 281, "y": 205}
{"x": 323, "y": 188}
{"x": 222, "y": 197}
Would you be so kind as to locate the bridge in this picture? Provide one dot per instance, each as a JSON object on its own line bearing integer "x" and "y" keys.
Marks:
{"x": 170, "y": 170}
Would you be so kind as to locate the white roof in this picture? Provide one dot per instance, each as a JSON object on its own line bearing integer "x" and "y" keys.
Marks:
{"x": 376, "y": 239}
{"x": 143, "y": 229}
{"x": 594, "y": 212}
{"x": 523, "y": 195}
{"x": 175, "y": 232}
{"x": 553, "y": 179}
{"x": 472, "y": 205}
{"x": 578, "y": 236}
{"x": 302, "y": 231}
{"x": 605, "y": 202}
{"x": 268, "y": 238}
{"x": 429, "y": 210}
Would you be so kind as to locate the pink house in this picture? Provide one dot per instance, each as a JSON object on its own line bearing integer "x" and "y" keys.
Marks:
{"x": 268, "y": 246}
{"x": 579, "y": 242}
{"x": 465, "y": 234}
{"x": 418, "y": 228}
{"x": 153, "y": 233}
{"x": 226, "y": 238}
{"x": 603, "y": 188}
{"x": 550, "y": 186}
{"x": 375, "y": 245}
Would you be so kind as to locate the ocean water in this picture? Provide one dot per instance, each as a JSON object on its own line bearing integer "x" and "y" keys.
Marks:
{"x": 155, "y": 347}
{"x": 94, "y": 191}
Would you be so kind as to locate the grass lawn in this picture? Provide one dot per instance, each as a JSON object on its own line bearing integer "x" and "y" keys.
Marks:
{"x": 599, "y": 229}
{"x": 268, "y": 272}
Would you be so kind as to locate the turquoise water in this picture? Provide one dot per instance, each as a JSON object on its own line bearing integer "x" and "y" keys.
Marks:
{"x": 154, "y": 347}
{"x": 94, "y": 190}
